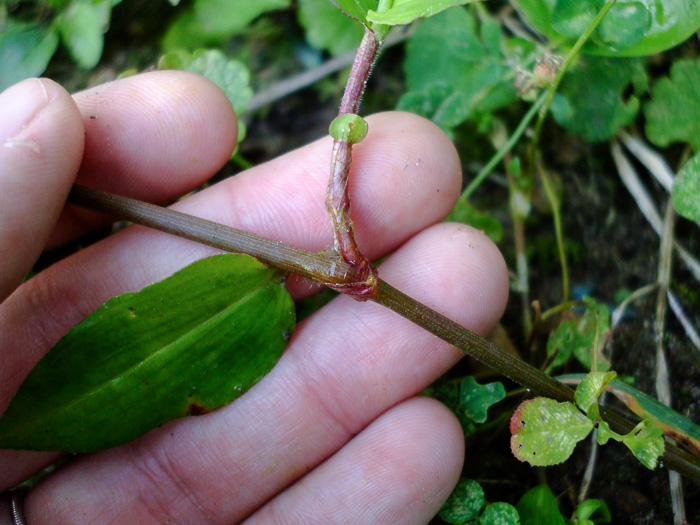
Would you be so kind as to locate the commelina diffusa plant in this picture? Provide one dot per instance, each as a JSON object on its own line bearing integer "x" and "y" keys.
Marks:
{"x": 131, "y": 331}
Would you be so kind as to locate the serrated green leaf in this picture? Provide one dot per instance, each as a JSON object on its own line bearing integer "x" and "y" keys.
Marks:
{"x": 539, "y": 506}
{"x": 406, "y": 11}
{"x": 82, "y": 26}
{"x": 646, "y": 443}
{"x": 499, "y": 513}
{"x": 475, "y": 399}
{"x": 673, "y": 115}
{"x": 589, "y": 389}
{"x": 686, "y": 190}
{"x": 631, "y": 27}
{"x": 230, "y": 75}
{"x": 545, "y": 432}
{"x": 575, "y": 336}
{"x": 188, "y": 345}
{"x": 465, "y": 213}
{"x": 590, "y": 102}
{"x": 453, "y": 75}
{"x": 328, "y": 28}
{"x": 213, "y": 21}
{"x": 464, "y": 504}
{"x": 25, "y": 51}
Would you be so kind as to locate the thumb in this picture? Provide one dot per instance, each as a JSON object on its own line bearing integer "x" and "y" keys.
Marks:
{"x": 41, "y": 146}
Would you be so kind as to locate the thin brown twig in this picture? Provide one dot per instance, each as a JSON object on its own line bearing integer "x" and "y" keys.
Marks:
{"x": 332, "y": 271}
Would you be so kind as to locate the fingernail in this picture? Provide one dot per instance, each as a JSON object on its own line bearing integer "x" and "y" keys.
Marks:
{"x": 21, "y": 104}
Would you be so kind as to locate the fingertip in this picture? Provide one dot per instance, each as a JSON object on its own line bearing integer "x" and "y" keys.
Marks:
{"x": 42, "y": 145}
{"x": 456, "y": 270}
{"x": 156, "y": 135}
{"x": 406, "y": 162}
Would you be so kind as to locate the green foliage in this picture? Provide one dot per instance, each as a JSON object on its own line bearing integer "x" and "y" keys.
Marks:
{"x": 465, "y": 213}
{"x": 25, "y": 50}
{"x": 577, "y": 336}
{"x": 686, "y": 190}
{"x": 676, "y": 427}
{"x": 631, "y": 28}
{"x": 590, "y": 389}
{"x": 500, "y": 513}
{"x": 26, "y": 47}
{"x": 592, "y": 511}
{"x": 230, "y": 75}
{"x": 184, "y": 344}
{"x": 539, "y": 506}
{"x": 475, "y": 399}
{"x": 673, "y": 115}
{"x": 208, "y": 22}
{"x": 328, "y": 28}
{"x": 590, "y": 100}
{"x": 464, "y": 504}
{"x": 545, "y": 432}
{"x": 456, "y": 69}
{"x": 349, "y": 127}
{"x": 406, "y": 11}
{"x": 81, "y": 26}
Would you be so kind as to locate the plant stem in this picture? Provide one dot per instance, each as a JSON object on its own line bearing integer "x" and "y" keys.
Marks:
{"x": 364, "y": 284}
{"x": 327, "y": 270}
{"x": 503, "y": 151}
{"x": 558, "y": 231}
{"x": 334, "y": 272}
{"x": 551, "y": 91}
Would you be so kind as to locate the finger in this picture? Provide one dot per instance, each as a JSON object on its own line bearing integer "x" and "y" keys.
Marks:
{"x": 153, "y": 136}
{"x": 41, "y": 143}
{"x": 282, "y": 199}
{"x": 345, "y": 365}
{"x": 399, "y": 470}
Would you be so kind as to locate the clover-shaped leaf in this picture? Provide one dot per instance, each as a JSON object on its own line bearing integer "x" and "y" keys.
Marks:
{"x": 673, "y": 115}
{"x": 464, "y": 504}
{"x": 476, "y": 399}
{"x": 590, "y": 102}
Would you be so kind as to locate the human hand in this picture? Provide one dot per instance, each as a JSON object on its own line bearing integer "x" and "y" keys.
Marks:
{"x": 333, "y": 433}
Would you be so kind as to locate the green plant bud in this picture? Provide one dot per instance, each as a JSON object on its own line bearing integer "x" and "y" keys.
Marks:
{"x": 350, "y": 127}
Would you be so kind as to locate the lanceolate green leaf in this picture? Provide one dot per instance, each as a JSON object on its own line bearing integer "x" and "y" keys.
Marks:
{"x": 186, "y": 345}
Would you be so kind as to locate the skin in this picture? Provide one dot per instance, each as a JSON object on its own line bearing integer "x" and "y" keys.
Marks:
{"x": 334, "y": 434}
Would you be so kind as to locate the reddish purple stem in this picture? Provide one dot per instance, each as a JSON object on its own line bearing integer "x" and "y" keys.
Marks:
{"x": 365, "y": 280}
